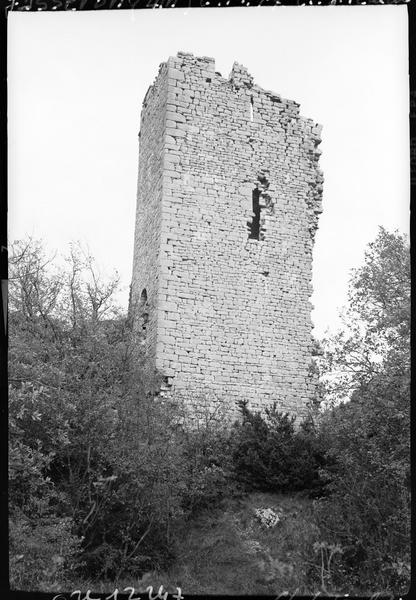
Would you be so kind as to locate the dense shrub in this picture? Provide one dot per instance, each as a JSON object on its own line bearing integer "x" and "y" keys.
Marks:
{"x": 157, "y": 474}
{"x": 43, "y": 545}
{"x": 207, "y": 452}
{"x": 43, "y": 550}
{"x": 269, "y": 455}
{"x": 367, "y": 510}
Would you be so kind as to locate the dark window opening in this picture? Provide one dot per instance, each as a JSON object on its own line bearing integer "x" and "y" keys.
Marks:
{"x": 208, "y": 80}
{"x": 145, "y": 319}
{"x": 144, "y": 311}
{"x": 251, "y": 108}
{"x": 255, "y": 222}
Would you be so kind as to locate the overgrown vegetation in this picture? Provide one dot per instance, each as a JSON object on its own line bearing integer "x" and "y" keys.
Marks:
{"x": 367, "y": 512}
{"x": 106, "y": 484}
{"x": 92, "y": 455}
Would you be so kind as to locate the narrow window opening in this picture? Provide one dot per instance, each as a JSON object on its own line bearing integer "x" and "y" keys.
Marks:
{"x": 144, "y": 312}
{"x": 145, "y": 319}
{"x": 251, "y": 109}
{"x": 255, "y": 222}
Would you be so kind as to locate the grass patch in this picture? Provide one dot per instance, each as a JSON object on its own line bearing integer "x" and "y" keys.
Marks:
{"x": 227, "y": 551}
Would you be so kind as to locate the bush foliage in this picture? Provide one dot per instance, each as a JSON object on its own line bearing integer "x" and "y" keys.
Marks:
{"x": 270, "y": 456}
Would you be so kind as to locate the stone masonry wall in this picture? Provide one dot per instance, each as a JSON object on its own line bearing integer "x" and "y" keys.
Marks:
{"x": 229, "y": 314}
{"x": 147, "y": 240}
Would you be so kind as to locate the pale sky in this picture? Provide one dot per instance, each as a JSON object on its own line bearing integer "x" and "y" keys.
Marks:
{"x": 77, "y": 81}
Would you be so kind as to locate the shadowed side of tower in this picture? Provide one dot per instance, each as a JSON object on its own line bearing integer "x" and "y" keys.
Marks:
{"x": 229, "y": 195}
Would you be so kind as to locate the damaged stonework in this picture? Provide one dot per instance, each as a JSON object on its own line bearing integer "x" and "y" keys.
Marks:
{"x": 262, "y": 206}
{"x": 228, "y": 202}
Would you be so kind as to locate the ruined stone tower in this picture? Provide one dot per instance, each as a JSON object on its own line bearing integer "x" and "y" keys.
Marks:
{"x": 229, "y": 195}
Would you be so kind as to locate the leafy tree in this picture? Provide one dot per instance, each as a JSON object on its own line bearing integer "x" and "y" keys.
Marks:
{"x": 376, "y": 332}
{"x": 368, "y": 437}
{"x": 64, "y": 367}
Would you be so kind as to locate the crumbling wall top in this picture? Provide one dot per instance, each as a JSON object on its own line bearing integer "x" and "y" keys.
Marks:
{"x": 240, "y": 76}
